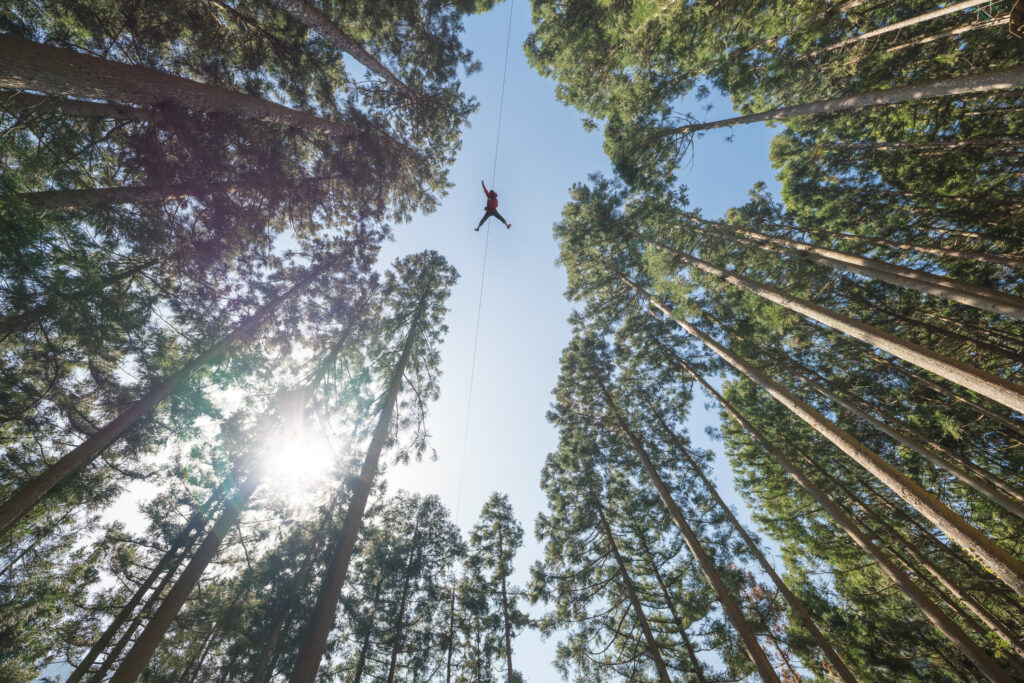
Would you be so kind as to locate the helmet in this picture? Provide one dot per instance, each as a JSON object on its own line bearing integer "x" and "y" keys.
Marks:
{"x": 492, "y": 193}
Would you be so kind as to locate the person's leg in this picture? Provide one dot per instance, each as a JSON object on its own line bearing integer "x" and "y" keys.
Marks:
{"x": 500, "y": 218}
{"x": 486, "y": 214}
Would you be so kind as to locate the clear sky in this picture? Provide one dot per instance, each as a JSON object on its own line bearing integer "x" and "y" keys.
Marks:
{"x": 543, "y": 150}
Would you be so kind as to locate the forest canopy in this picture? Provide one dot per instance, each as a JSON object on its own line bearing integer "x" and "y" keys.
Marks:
{"x": 195, "y": 319}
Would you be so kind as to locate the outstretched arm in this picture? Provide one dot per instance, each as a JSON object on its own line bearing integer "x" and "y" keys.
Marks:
{"x": 483, "y": 186}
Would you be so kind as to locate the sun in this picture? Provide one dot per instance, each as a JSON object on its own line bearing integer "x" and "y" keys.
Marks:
{"x": 298, "y": 463}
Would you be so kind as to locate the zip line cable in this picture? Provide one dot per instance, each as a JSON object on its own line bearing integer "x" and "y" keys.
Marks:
{"x": 483, "y": 273}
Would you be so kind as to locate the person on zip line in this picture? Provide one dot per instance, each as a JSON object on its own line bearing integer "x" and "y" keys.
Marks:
{"x": 491, "y": 209}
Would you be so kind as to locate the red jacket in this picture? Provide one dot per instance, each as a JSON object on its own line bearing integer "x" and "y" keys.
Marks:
{"x": 492, "y": 202}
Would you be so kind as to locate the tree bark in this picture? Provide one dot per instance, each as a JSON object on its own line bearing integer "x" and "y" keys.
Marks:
{"x": 707, "y": 567}
{"x": 1008, "y": 568}
{"x": 281, "y": 616}
{"x": 795, "y": 602}
{"x": 182, "y": 542}
{"x": 971, "y": 477}
{"x": 931, "y": 611}
{"x": 504, "y": 607}
{"x": 909, "y": 278}
{"x": 319, "y": 22}
{"x": 920, "y": 19}
{"x": 23, "y": 102}
{"x": 320, "y": 622}
{"x": 955, "y": 31}
{"x": 451, "y": 638}
{"x": 396, "y": 642}
{"x": 1011, "y": 78}
{"x": 31, "y": 493}
{"x": 138, "y": 656}
{"x": 975, "y": 379}
{"x": 634, "y": 601}
{"x": 983, "y": 614}
{"x": 62, "y": 72}
{"x": 698, "y": 668}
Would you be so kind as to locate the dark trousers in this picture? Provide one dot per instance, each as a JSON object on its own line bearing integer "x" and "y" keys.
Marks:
{"x": 491, "y": 212}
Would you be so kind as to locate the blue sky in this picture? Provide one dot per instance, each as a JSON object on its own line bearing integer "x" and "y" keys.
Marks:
{"x": 543, "y": 151}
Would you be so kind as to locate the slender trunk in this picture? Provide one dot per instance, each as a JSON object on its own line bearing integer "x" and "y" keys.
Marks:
{"x": 138, "y": 656}
{"x": 31, "y": 493}
{"x": 634, "y": 601}
{"x": 19, "y": 321}
{"x": 920, "y": 19}
{"x": 944, "y": 145}
{"x": 1008, "y": 568}
{"x": 201, "y": 660}
{"x": 791, "y": 598}
{"x": 451, "y": 638}
{"x": 319, "y": 22}
{"x": 707, "y": 567}
{"x": 396, "y": 642}
{"x": 1011, "y": 78}
{"x": 951, "y": 395}
{"x": 936, "y": 285}
{"x": 951, "y": 32}
{"x": 112, "y": 657}
{"x": 504, "y": 606}
{"x": 320, "y": 622}
{"x": 182, "y": 542}
{"x": 929, "y": 330}
{"x": 971, "y": 478}
{"x": 931, "y": 611}
{"x": 982, "y": 613}
{"x": 698, "y": 668}
{"x": 281, "y": 616}
{"x": 70, "y": 200}
{"x": 63, "y": 72}
{"x": 361, "y": 662}
{"x": 23, "y": 102}
{"x": 984, "y": 383}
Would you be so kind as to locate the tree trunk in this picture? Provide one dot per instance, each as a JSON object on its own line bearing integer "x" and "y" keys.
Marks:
{"x": 920, "y": 19}
{"x": 112, "y": 657}
{"x": 319, "y": 22}
{"x": 1011, "y": 78}
{"x": 281, "y": 616}
{"x": 944, "y": 145}
{"x": 698, "y": 668}
{"x": 638, "y": 609}
{"x": 707, "y": 567}
{"x": 451, "y": 638}
{"x": 973, "y": 478}
{"x": 182, "y": 542}
{"x": 946, "y": 393}
{"x": 504, "y": 606}
{"x": 138, "y": 656}
{"x": 931, "y": 611}
{"x": 795, "y": 602}
{"x": 936, "y": 285}
{"x": 320, "y": 622}
{"x": 396, "y": 642}
{"x": 976, "y": 608}
{"x": 955, "y": 31}
{"x": 31, "y": 493}
{"x": 62, "y": 72}
{"x": 984, "y": 383}
{"x": 23, "y": 102}
{"x": 1008, "y": 568}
